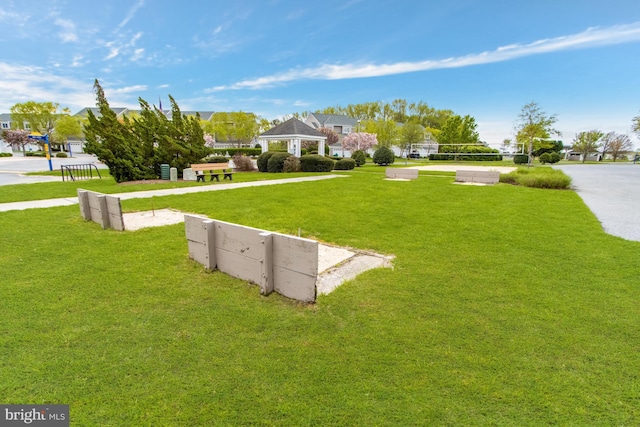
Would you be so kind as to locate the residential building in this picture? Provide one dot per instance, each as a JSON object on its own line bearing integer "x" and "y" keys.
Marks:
{"x": 340, "y": 124}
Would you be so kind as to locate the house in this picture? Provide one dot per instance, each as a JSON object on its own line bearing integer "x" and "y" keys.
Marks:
{"x": 5, "y": 124}
{"x": 340, "y": 124}
{"x": 576, "y": 156}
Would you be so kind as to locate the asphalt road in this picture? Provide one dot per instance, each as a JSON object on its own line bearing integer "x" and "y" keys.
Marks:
{"x": 12, "y": 169}
{"x": 612, "y": 192}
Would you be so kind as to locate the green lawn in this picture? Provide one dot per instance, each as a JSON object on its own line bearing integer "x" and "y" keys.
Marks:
{"x": 506, "y": 306}
{"x": 107, "y": 185}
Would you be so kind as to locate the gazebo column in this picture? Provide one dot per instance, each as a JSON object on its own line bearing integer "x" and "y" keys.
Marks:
{"x": 264, "y": 144}
{"x": 294, "y": 147}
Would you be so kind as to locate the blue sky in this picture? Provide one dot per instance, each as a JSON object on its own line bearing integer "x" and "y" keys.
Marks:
{"x": 577, "y": 59}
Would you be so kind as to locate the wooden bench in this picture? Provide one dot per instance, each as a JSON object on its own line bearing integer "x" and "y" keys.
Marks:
{"x": 395, "y": 173}
{"x": 478, "y": 177}
{"x": 212, "y": 169}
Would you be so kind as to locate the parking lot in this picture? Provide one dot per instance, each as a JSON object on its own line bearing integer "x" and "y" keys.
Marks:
{"x": 611, "y": 192}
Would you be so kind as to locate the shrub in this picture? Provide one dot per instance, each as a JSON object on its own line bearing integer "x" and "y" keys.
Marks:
{"x": 545, "y": 158}
{"x": 345, "y": 164}
{"x": 263, "y": 159}
{"x": 521, "y": 159}
{"x": 291, "y": 164}
{"x": 549, "y": 157}
{"x": 538, "y": 178}
{"x": 316, "y": 163}
{"x": 360, "y": 157}
{"x": 243, "y": 163}
{"x": 35, "y": 154}
{"x": 216, "y": 159}
{"x": 275, "y": 163}
{"x": 61, "y": 155}
{"x": 383, "y": 156}
{"x": 6, "y": 154}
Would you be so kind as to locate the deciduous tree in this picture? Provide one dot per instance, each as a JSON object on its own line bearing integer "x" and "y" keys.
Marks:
{"x": 534, "y": 124}
{"x": 616, "y": 145}
{"x": 586, "y": 143}
{"x": 67, "y": 126}
{"x": 41, "y": 116}
{"x": 359, "y": 141}
{"x": 17, "y": 137}
{"x": 410, "y": 133}
{"x": 457, "y": 132}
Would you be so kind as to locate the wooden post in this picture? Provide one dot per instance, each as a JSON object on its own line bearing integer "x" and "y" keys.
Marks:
{"x": 85, "y": 208}
{"x": 104, "y": 212}
{"x": 266, "y": 267}
{"x": 210, "y": 227}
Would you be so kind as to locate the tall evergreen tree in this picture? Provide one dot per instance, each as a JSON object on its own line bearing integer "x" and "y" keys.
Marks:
{"x": 111, "y": 140}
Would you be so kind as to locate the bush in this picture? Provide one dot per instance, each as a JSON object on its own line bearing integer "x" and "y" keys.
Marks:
{"x": 6, "y": 154}
{"x": 383, "y": 156}
{"x": 360, "y": 157}
{"x": 316, "y": 163}
{"x": 35, "y": 154}
{"x": 61, "y": 155}
{"x": 216, "y": 159}
{"x": 345, "y": 164}
{"x": 275, "y": 164}
{"x": 538, "y": 178}
{"x": 291, "y": 164}
{"x": 549, "y": 157}
{"x": 263, "y": 159}
{"x": 521, "y": 159}
{"x": 243, "y": 163}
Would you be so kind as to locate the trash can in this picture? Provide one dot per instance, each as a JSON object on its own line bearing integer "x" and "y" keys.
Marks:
{"x": 165, "y": 171}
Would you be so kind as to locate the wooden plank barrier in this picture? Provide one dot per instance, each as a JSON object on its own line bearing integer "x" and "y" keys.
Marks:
{"x": 479, "y": 177}
{"x": 275, "y": 262}
{"x": 105, "y": 210}
{"x": 395, "y": 173}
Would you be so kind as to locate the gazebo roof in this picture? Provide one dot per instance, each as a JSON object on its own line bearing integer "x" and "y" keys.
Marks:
{"x": 293, "y": 127}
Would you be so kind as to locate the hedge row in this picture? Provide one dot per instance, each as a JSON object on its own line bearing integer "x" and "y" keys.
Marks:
{"x": 462, "y": 157}
{"x": 6, "y": 154}
{"x": 251, "y": 152}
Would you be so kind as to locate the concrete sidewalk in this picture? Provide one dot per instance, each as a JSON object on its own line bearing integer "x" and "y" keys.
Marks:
{"x": 66, "y": 201}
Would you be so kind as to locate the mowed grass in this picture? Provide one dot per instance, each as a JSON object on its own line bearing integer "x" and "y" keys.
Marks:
{"x": 506, "y": 306}
{"x": 107, "y": 185}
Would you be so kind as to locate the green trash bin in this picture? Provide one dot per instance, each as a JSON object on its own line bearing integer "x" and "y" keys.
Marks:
{"x": 165, "y": 171}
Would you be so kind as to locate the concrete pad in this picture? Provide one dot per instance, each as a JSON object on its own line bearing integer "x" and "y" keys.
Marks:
{"x": 453, "y": 168}
{"x": 472, "y": 183}
{"x": 361, "y": 262}
{"x": 329, "y": 256}
{"x": 156, "y": 218}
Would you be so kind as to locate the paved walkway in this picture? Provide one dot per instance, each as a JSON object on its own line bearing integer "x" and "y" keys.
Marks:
{"x": 66, "y": 201}
{"x": 611, "y": 192}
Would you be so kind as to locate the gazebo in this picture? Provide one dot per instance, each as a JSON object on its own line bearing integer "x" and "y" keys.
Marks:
{"x": 294, "y": 132}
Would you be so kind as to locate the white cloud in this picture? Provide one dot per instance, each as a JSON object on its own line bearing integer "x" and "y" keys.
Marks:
{"x": 23, "y": 83}
{"x": 137, "y": 54}
{"x": 128, "y": 89}
{"x": 592, "y": 37}
{"x": 131, "y": 14}
{"x": 117, "y": 47}
{"x": 68, "y": 33}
